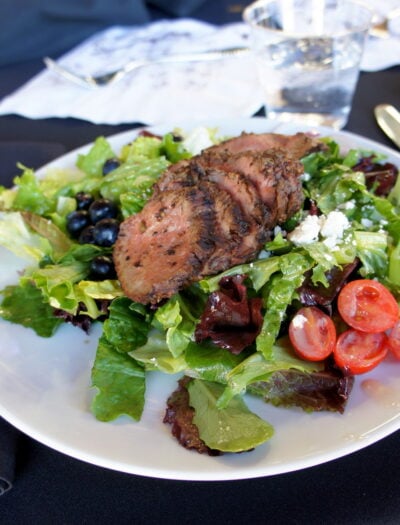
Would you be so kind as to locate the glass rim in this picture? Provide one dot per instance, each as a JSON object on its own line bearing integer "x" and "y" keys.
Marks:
{"x": 359, "y": 27}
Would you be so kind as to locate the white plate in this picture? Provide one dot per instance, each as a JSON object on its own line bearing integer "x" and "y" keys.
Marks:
{"x": 45, "y": 391}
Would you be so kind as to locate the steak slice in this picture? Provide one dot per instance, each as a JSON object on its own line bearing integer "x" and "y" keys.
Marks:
{"x": 230, "y": 227}
{"x": 275, "y": 176}
{"x": 243, "y": 192}
{"x": 297, "y": 146}
{"x": 184, "y": 172}
{"x": 210, "y": 213}
{"x": 164, "y": 247}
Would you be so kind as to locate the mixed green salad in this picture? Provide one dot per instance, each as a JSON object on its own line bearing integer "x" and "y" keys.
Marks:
{"x": 349, "y": 230}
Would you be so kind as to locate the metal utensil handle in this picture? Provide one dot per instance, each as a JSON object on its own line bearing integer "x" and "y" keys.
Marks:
{"x": 200, "y": 56}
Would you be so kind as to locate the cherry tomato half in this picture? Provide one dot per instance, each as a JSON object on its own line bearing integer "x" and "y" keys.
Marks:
{"x": 359, "y": 352}
{"x": 368, "y": 306}
{"x": 312, "y": 334}
{"x": 394, "y": 340}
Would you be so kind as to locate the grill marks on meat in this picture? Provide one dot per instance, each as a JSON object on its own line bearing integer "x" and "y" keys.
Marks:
{"x": 230, "y": 227}
{"x": 273, "y": 173}
{"x": 164, "y": 247}
{"x": 209, "y": 213}
{"x": 297, "y": 146}
{"x": 244, "y": 194}
{"x": 243, "y": 197}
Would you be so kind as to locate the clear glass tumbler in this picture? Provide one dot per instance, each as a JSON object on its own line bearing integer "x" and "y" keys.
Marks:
{"x": 308, "y": 55}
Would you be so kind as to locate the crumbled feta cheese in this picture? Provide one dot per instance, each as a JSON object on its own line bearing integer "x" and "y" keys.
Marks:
{"x": 348, "y": 205}
{"x": 367, "y": 223}
{"x": 305, "y": 177}
{"x": 330, "y": 227}
{"x": 334, "y": 225}
{"x": 197, "y": 140}
{"x": 264, "y": 254}
{"x": 307, "y": 231}
{"x": 278, "y": 230}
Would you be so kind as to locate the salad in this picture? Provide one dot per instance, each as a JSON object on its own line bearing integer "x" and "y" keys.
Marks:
{"x": 305, "y": 349}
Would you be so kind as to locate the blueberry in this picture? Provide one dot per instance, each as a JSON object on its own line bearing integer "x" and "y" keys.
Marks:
{"x": 83, "y": 200}
{"x": 110, "y": 165}
{"x": 86, "y": 235}
{"x": 102, "y": 267}
{"x": 105, "y": 232}
{"x": 102, "y": 209}
{"x": 77, "y": 221}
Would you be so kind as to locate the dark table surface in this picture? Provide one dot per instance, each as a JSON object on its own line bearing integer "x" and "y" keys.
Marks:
{"x": 360, "y": 488}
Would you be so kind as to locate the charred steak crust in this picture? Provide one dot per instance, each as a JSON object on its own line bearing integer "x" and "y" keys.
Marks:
{"x": 163, "y": 248}
{"x": 211, "y": 212}
{"x": 230, "y": 226}
{"x": 275, "y": 176}
{"x": 297, "y": 146}
{"x": 243, "y": 192}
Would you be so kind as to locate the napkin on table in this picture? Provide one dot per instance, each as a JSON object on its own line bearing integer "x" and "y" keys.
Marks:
{"x": 226, "y": 88}
{"x": 382, "y": 53}
{"x": 158, "y": 93}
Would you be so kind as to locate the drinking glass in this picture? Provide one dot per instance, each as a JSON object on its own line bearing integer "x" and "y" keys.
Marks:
{"x": 308, "y": 55}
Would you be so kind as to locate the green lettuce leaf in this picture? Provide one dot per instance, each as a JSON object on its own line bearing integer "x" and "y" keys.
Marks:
{"x": 126, "y": 328}
{"x": 372, "y": 250}
{"x": 259, "y": 272}
{"x": 210, "y": 363}
{"x": 60, "y": 283}
{"x": 177, "y": 320}
{"x": 278, "y": 294}
{"x": 155, "y": 355}
{"x": 24, "y": 305}
{"x": 394, "y": 266}
{"x": 233, "y": 429}
{"x": 120, "y": 381}
{"x": 137, "y": 177}
{"x": 142, "y": 147}
{"x": 17, "y": 237}
{"x": 30, "y": 195}
{"x": 92, "y": 162}
{"x": 257, "y": 368}
{"x": 59, "y": 242}
{"x": 174, "y": 150}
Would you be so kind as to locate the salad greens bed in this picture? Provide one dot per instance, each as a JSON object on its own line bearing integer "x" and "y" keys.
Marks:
{"x": 137, "y": 339}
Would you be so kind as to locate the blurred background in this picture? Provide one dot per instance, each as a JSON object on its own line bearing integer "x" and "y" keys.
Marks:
{"x": 33, "y": 28}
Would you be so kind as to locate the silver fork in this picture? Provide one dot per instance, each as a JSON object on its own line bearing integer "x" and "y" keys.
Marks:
{"x": 93, "y": 81}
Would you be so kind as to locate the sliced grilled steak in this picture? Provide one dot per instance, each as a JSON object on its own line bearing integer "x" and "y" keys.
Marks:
{"x": 164, "y": 247}
{"x": 230, "y": 227}
{"x": 297, "y": 146}
{"x": 179, "y": 175}
{"x": 275, "y": 175}
{"x": 243, "y": 192}
{"x": 210, "y": 213}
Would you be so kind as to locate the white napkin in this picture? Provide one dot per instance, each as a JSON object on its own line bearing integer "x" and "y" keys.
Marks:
{"x": 153, "y": 94}
{"x": 381, "y": 53}
{"x": 163, "y": 93}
